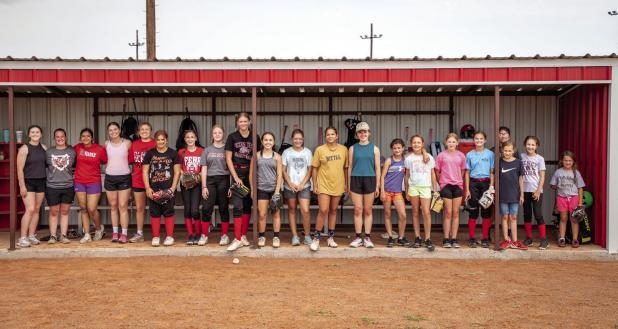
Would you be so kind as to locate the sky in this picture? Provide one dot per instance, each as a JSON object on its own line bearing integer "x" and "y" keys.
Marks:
{"x": 309, "y": 29}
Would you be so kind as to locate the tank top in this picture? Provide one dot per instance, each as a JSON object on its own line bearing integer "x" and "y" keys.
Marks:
{"x": 363, "y": 161}
{"x": 266, "y": 173}
{"x": 393, "y": 181}
{"x": 35, "y": 162}
{"x": 117, "y": 159}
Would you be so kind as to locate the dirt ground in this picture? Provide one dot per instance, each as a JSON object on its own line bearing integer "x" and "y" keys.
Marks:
{"x": 204, "y": 292}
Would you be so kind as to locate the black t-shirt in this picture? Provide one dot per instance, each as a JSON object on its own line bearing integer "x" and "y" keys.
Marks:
{"x": 241, "y": 147}
{"x": 161, "y": 168}
{"x": 509, "y": 180}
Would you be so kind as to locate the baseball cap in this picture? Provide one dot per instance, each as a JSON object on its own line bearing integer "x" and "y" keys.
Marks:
{"x": 362, "y": 126}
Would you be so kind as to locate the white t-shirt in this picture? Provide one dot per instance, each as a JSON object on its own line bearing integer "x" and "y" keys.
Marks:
{"x": 532, "y": 171}
{"x": 420, "y": 172}
{"x": 297, "y": 164}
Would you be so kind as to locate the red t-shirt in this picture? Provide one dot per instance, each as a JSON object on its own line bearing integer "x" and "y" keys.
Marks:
{"x": 136, "y": 157}
{"x": 191, "y": 160}
{"x": 88, "y": 163}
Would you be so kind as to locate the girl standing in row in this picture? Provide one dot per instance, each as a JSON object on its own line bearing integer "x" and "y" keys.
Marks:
{"x": 534, "y": 179}
{"x": 569, "y": 186}
{"x": 391, "y": 188}
{"x": 189, "y": 157}
{"x": 136, "y": 157}
{"x": 118, "y": 181}
{"x": 511, "y": 195}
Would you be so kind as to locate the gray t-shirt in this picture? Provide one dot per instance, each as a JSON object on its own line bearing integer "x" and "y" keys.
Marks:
{"x": 214, "y": 159}
{"x": 532, "y": 171}
{"x": 60, "y": 166}
{"x": 567, "y": 182}
{"x": 297, "y": 164}
{"x": 266, "y": 173}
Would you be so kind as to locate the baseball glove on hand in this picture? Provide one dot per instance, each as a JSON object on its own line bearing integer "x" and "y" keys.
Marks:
{"x": 488, "y": 198}
{"x": 162, "y": 196}
{"x": 240, "y": 191}
{"x": 579, "y": 213}
{"x": 190, "y": 180}
{"x": 436, "y": 202}
{"x": 276, "y": 202}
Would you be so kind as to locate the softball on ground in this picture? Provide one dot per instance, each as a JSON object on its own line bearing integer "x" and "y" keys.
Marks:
{"x": 236, "y": 261}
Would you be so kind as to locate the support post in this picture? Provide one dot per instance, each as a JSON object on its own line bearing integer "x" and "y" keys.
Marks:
{"x": 151, "y": 31}
{"x": 213, "y": 108}
{"x": 330, "y": 111}
{"x": 497, "y": 167}
{"x": 95, "y": 118}
{"x": 253, "y": 163}
{"x": 451, "y": 113}
{"x": 612, "y": 163}
{"x": 12, "y": 169}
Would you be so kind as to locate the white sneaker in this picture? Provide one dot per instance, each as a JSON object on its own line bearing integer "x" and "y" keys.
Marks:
{"x": 315, "y": 245}
{"x": 85, "y": 239}
{"x": 368, "y": 243}
{"x": 235, "y": 245}
{"x": 98, "y": 234}
{"x": 261, "y": 241}
{"x": 33, "y": 240}
{"x": 23, "y": 242}
{"x": 276, "y": 242}
{"x": 245, "y": 242}
{"x": 331, "y": 242}
{"x": 64, "y": 239}
{"x": 225, "y": 240}
{"x": 203, "y": 240}
{"x": 169, "y": 241}
{"x": 156, "y": 241}
{"x": 52, "y": 239}
{"x": 358, "y": 242}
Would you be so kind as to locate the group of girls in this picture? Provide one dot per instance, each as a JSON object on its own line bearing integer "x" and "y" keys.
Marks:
{"x": 148, "y": 165}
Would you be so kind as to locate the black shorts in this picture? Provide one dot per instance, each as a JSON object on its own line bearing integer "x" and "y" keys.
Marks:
{"x": 117, "y": 182}
{"x": 139, "y": 189}
{"x": 56, "y": 196}
{"x": 157, "y": 210}
{"x": 363, "y": 184}
{"x": 263, "y": 195}
{"x": 451, "y": 192}
{"x": 36, "y": 185}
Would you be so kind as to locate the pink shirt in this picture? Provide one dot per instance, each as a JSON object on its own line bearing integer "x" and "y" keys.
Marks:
{"x": 450, "y": 165}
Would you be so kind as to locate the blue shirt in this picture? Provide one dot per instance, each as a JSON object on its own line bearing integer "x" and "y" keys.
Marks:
{"x": 480, "y": 164}
{"x": 363, "y": 161}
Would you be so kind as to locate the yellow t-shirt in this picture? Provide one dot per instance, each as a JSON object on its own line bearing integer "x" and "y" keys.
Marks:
{"x": 331, "y": 173}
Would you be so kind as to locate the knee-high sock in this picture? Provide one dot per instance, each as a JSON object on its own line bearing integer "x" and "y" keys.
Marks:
{"x": 155, "y": 224}
{"x": 245, "y": 223}
{"x": 471, "y": 227}
{"x": 188, "y": 225}
{"x": 198, "y": 225}
{"x": 205, "y": 226}
{"x": 542, "y": 231}
{"x": 237, "y": 228}
{"x": 528, "y": 227}
{"x": 169, "y": 226}
{"x": 225, "y": 227}
{"x": 486, "y": 225}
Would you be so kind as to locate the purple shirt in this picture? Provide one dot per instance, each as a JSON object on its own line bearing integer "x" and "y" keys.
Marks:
{"x": 450, "y": 165}
{"x": 393, "y": 179}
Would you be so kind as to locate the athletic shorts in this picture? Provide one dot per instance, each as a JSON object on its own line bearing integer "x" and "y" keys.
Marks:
{"x": 139, "y": 189}
{"x": 94, "y": 188}
{"x": 567, "y": 203}
{"x": 264, "y": 195}
{"x": 117, "y": 182}
{"x": 451, "y": 192}
{"x": 56, "y": 196}
{"x": 393, "y": 196}
{"x": 363, "y": 184}
{"x": 36, "y": 185}
{"x": 304, "y": 194}
{"x": 421, "y": 191}
{"x": 509, "y": 208}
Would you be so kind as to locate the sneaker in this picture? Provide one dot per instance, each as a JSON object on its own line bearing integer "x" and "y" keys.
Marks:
{"x": 357, "y": 242}
{"x": 155, "y": 241}
{"x": 485, "y": 243}
{"x": 169, "y": 241}
{"x": 295, "y": 241}
{"x": 528, "y": 241}
{"x": 403, "y": 242}
{"x": 390, "y": 242}
{"x": 99, "y": 234}
{"x": 277, "y": 242}
{"x": 123, "y": 238}
{"x": 505, "y": 244}
{"x": 307, "y": 241}
{"x": 561, "y": 243}
{"x": 115, "y": 237}
{"x": 519, "y": 245}
{"x": 235, "y": 245}
{"x": 224, "y": 241}
{"x": 472, "y": 243}
{"x": 315, "y": 244}
{"x": 331, "y": 242}
{"x": 245, "y": 242}
{"x": 85, "y": 239}
{"x": 446, "y": 243}
{"x": 64, "y": 239}
{"x": 23, "y": 242}
{"x": 52, "y": 239}
{"x": 204, "y": 240}
{"x": 137, "y": 238}
{"x": 261, "y": 241}
{"x": 544, "y": 244}
{"x": 190, "y": 240}
{"x": 455, "y": 243}
{"x": 367, "y": 242}
{"x": 418, "y": 242}
{"x": 33, "y": 240}
{"x": 575, "y": 243}
{"x": 429, "y": 245}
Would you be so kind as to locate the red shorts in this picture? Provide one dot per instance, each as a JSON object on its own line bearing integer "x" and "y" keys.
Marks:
{"x": 567, "y": 203}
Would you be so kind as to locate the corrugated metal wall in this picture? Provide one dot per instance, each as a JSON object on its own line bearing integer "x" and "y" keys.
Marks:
{"x": 524, "y": 115}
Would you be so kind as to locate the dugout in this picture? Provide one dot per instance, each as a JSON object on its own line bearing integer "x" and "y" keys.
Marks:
{"x": 564, "y": 100}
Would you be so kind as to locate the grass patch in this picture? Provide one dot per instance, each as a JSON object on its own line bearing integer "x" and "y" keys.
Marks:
{"x": 368, "y": 320}
{"x": 321, "y": 312}
{"x": 416, "y": 318}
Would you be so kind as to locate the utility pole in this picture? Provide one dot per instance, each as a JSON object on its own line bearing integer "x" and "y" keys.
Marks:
{"x": 151, "y": 31}
{"x": 136, "y": 44}
{"x": 371, "y": 36}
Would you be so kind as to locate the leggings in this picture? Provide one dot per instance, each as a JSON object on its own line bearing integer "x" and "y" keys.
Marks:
{"x": 191, "y": 198}
{"x": 477, "y": 188}
{"x": 533, "y": 206}
{"x": 218, "y": 187}
{"x": 242, "y": 205}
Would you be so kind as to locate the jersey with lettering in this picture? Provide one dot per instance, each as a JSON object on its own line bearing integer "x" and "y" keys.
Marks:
{"x": 191, "y": 160}
{"x": 88, "y": 163}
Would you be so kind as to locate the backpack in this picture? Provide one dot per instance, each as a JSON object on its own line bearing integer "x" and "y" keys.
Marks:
{"x": 186, "y": 124}
{"x": 130, "y": 125}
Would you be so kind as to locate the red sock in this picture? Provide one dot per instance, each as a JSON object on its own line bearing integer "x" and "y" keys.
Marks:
{"x": 225, "y": 227}
{"x": 205, "y": 226}
{"x": 198, "y": 227}
{"x": 155, "y": 224}
{"x": 245, "y": 223}
{"x": 542, "y": 231}
{"x": 528, "y": 227}
{"x": 237, "y": 227}
{"x": 486, "y": 224}
{"x": 188, "y": 225}
{"x": 169, "y": 226}
{"x": 471, "y": 227}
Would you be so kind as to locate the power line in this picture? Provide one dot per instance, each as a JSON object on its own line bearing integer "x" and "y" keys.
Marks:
{"x": 371, "y": 36}
{"x": 136, "y": 44}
